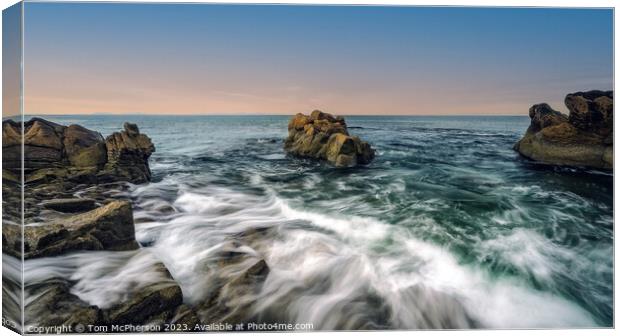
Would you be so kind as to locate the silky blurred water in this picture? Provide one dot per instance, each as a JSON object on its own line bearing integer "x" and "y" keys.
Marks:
{"x": 447, "y": 227}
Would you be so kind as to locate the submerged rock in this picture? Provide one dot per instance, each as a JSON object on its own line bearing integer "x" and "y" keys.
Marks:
{"x": 584, "y": 138}
{"x": 151, "y": 303}
{"x": 54, "y": 305}
{"x": 323, "y": 136}
{"x": 236, "y": 277}
{"x": 109, "y": 227}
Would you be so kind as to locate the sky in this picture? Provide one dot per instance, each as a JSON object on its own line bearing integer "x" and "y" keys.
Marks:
{"x": 85, "y": 58}
{"x": 11, "y": 56}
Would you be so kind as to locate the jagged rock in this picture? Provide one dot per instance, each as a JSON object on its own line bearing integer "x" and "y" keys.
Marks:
{"x": 70, "y": 204}
{"x": 109, "y": 227}
{"x": 153, "y": 304}
{"x": 591, "y": 111}
{"x": 543, "y": 115}
{"x": 584, "y": 138}
{"x": 128, "y": 152}
{"x": 323, "y": 136}
{"x": 42, "y": 143}
{"x": 53, "y": 151}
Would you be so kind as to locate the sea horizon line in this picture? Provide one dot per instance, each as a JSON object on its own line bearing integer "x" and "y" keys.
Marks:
{"x": 258, "y": 115}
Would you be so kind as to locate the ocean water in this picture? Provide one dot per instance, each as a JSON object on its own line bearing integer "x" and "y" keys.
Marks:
{"x": 447, "y": 227}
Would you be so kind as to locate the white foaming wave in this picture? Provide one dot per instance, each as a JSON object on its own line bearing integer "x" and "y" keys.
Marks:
{"x": 353, "y": 229}
{"x": 104, "y": 281}
{"x": 102, "y": 278}
{"x": 274, "y": 156}
{"x": 316, "y": 275}
{"x": 416, "y": 262}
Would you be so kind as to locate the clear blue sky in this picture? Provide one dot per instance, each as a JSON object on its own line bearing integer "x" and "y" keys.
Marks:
{"x": 177, "y": 58}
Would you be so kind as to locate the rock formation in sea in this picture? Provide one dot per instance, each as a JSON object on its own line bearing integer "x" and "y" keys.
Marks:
{"x": 75, "y": 182}
{"x": 323, "y": 136}
{"x": 75, "y": 153}
{"x": 584, "y": 138}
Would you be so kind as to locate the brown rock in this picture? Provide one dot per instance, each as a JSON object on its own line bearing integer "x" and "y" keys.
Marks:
{"x": 591, "y": 111}
{"x": 109, "y": 227}
{"x": 76, "y": 153}
{"x": 54, "y": 305}
{"x": 543, "y": 115}
{"x": 584, "y": 138}
{"x": 128, "y": 152}
{"x": 156, "y": 303}
{"x": 325, "y": 137}
{"x": 83, "y": 147}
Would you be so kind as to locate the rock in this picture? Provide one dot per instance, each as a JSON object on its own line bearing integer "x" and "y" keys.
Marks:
{"x": 128, "y": 152}
{"x": 75, "y": 153}
{"x": 185, "y": 315}
{"x": 70, "y": 204}
{"x": 325, "y": 137}
{"x": 109, "y": 227}
{"x": 84, "y": 148}
{"x": 543, "y": 115}
{"x": 149, "y": 304}
{"x": 591, "y": 111}
{"x": 42, "y": 143}
{"x": 235, "y": 280}
{"x": 11, "y": 239}
{"x": 584, "y": 138}
{"x": 11, "y": 144}
{"x": 54, "y": 305}
{"x": 154, "y": 304}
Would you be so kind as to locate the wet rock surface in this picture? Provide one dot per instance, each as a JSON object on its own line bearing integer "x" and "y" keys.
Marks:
{"x": 155, "y": 303}
{"x": 326, "y": 137}
{"x": 54, "y": 304}
{"x": 76, "y": 154}
{"x": 584, "y": 138}
{"x": 109, "y": 227}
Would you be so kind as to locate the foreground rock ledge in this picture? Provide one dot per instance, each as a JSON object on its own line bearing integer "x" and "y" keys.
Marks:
{"x": 109, "y": 227}
{"x": 323, "y": 136}
{"x": 584, "y": 138}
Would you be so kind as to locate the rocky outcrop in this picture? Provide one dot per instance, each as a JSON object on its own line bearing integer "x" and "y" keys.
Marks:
{"x": 109, "y": 227}
{"x": 53, "y": 151}
{"x": 73, "y": 177}
{"x": 323, "y": 136}
{"x": 128, "y": 152}
{"x": 584, "y": 138}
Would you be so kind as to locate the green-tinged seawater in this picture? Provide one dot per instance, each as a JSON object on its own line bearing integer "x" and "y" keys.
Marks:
{"x": 448, "y": 222}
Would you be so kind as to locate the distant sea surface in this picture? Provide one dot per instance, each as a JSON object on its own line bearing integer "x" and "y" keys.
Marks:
{"x": 448, "y": 222}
